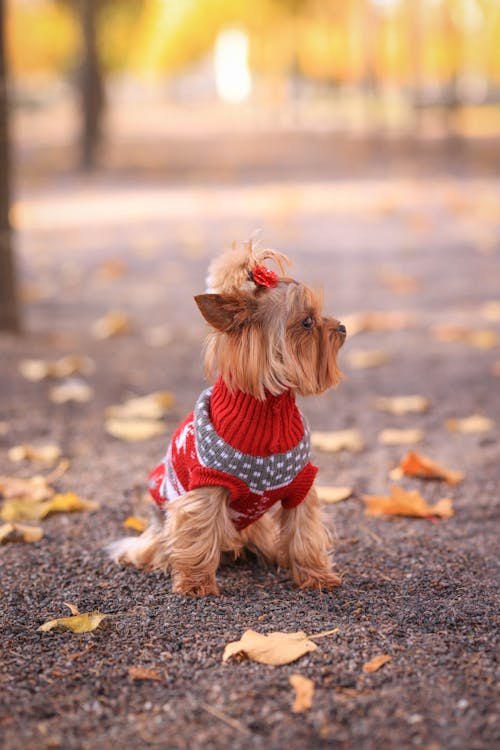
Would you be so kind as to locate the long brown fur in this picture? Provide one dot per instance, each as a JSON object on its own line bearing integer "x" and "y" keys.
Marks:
{"x": 259, "y": 342}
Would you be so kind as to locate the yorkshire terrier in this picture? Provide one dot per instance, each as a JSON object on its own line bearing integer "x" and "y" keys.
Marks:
{"x": 246, "y": 445}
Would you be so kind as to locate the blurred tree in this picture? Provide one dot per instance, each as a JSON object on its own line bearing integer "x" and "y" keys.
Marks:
{"x": 91, "y": 88}
{"x": 9, "y": 312}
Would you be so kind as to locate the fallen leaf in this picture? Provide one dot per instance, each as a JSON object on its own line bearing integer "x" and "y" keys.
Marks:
{"x": 495, "y": 370}
{"x": 40, "y": 369}
{"x": 114, "y": 323}
{"x": 417, "y": 465}
{"x": 403, "y": 502}
{"x": 400, "y": 283}
{"x": 475, "y": 423}
{"x": 333, "y": 494}
{"x": 19, "y": 531}
{"x": 350, "y": 440}
{"x": 133, "y": 522}
{"x": 68, "y": 502}
{"x": 304, "y": 691}
{"x": 362, "y": 359}
{"x": 152, "y": 406}
{"x": 83, "y": 623}
{"x": 47, "y": 454}
{"x": 275, "y": 649}
{"x": 71, "y": 390}
{"x": 491, "y": 311}
{"x": 364, "y": 322}
{"x": 29, "y": 509}
{"x": 72, "y": 608}
{"x": 4, "y": 428}
{"x": 36, "y": 488}
{"x": 400, "y": 437}
{"x": 143, "y": 673}
{"x": 480, "y": 339}
{"x": 158, "y": 336}
{"x": 400, "y": 405}
{"x": 112, "y": 269}
{"x": 374, "y": 664}
{"x": 131, "y": 430}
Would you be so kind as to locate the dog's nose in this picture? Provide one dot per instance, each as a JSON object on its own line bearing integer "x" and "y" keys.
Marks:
{"x": 341, "y": 328}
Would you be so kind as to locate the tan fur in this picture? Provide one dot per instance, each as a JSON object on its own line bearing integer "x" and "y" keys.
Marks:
{"x": 262, "y": 340}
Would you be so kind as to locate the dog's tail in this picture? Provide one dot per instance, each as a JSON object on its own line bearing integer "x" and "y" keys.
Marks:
{"x": 140, "y": 551}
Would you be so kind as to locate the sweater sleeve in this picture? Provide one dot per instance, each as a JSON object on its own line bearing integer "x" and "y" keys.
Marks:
{"x": 300, "y": 486}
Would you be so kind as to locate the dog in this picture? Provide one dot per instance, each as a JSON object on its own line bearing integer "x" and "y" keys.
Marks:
{"x": 237, "y": 473}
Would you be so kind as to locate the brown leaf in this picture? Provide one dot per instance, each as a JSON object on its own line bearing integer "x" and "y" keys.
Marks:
{"x": 495, "y": 370}
{"x": 399, "y": 405}
{"x": 72, "y": 608}
{"x": 473, "y": 424}
{"x": 132, "y": 430}
{"x": 417, "y": 465}
{"x": 304, "y": 691}
{"x": 480, "y": 339}
{"x": 40, "y": 369}
{"x": 152, "y": 406}
{"x": 339, "y": 440}
{"x": 112, "y": 269}
{"x": 36, "y": 488}
{"x": 20, "y": 532}
{"x": 275, "y": 648}
{"x": 374, "y": 664}
{"x": 114, "y": 323}
{"x": 83, "y": 623}
{"x": 400, "y": 437}
{"x": 362, "y": 359}
{"x": 47, "y": 454}
{"x": 333, "y": 494}
{"x": 143, "y": 673}
{"x": 377, "y": 321}
{"x": 402, "y": 502}
{"x": 400, "y": 283}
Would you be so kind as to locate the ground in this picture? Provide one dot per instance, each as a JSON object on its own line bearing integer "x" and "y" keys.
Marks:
{"x": 408, "y": 228}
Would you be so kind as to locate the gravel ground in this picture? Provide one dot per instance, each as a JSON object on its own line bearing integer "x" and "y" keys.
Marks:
{"x": 423, "y": 591}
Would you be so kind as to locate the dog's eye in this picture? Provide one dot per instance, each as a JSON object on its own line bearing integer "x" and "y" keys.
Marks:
{"x": 307, "y": 323}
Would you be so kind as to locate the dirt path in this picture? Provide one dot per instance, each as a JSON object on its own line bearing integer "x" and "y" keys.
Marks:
{"x": 423, "y": 591}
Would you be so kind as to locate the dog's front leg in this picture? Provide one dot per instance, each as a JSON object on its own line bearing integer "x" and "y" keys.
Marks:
{"x": 199, "y": 529}
{"x": 304, "y": 545}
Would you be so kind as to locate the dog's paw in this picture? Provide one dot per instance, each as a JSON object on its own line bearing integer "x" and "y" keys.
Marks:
{"x": 317, "y": 579}
{"x": 189, "y": 587}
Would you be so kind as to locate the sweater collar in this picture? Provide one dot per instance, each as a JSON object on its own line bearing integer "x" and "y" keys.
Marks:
{"x": 259, "y": 428}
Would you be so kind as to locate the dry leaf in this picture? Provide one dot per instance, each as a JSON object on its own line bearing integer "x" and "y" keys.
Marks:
{"x": 475, "y": 423}
{"x": 399, "y": 405}
{"x": 84, "y": 623}
{"x": 143, "y": 673}
{"x": 350, "y": 440}
{"x": 35, "y": 488}
{"x": 30, "y": 509}
{"x": 495, "y": 370}
{"x": 402, "y": 502}
{"x": 47, "y": 454}
{"x": 400, "y": 283}
{"x": 400, "y": 437}
{"x": 19, "y": 531}
{"x": 377, "y": 321}
{"x": 416, "y": 465}
{"x": 133, "y": 522}
{"x": 4, "y": 428}
{"x": 275, "y": 648}
{"x": 39, "y": 369}
{"x": 68, "y": 502}
{"x": 72, "y": 608}
{"x": 158, "y": 336}
{"x": 112, "y": 269}
{"x": 134, "y": 429}
{"x": 71, "y": 390}
{"x": 480, "y": 339}
{"x": 361, "y": 359}
{"x": 113, "y": 324}
{"x": 374, "y": 664}
{"x": 333, "y": 494}
{"x": 152, "y": 406}
{"x": 491, "y": 311}
{"x": 304, "y": 691}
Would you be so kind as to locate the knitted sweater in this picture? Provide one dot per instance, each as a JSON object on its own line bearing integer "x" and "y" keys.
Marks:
{"x": 259, "y": 450}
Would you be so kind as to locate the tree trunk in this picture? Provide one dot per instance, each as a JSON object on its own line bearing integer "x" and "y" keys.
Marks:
{"x": 9, "y": 312}
{"x": 91, "y": 85}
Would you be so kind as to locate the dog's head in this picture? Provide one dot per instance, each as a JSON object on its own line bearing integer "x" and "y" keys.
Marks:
{"x": 270, "y": 333}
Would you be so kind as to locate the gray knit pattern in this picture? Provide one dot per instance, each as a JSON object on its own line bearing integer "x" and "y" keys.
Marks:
{"x": 260, "y": 473}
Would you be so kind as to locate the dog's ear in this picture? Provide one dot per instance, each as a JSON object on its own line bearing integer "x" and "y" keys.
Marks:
{"x": 225, "y": 311}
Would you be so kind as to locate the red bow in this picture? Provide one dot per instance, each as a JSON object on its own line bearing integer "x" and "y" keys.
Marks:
{"x": 265, "y": 277}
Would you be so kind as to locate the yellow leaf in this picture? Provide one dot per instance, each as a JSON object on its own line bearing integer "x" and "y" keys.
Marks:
{"x": 15, "y": 531}
{"x": 143, "y": 673}
{"x": 363, "y": 359}
{"x": 68, "y": 502}
{"x": 475, "y": 423}
{"x": 400, "y": 437}
{"x": 84, "y": 623}
{"x": 417, "y": 465}
{"x": 72, "y": 608}
{"x": 132, "y": 430}
{"x": 402, "y": 404}
{"x": 350, "y": 440}
{"x": 304, "y": 691}
{"x": 148, "y": 407}
{"x": 40, "y": 369}
{"x": 113, "y": 324}
{"x": 47, "y": 454}
{"x": 138, "y": 524}
{"x": 275, "y": 648}
{"x": 402, "y": 502}
{"x": 71, "y": 390}
{"x": 374, "y": 664}
{"x": 333, "y": 494}
{"x": 35, "y": 488}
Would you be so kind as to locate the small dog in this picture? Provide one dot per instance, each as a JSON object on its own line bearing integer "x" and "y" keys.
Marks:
{"x": 246, "y": 445}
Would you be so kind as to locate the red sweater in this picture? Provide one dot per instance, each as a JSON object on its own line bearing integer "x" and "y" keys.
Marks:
{"x": 258, "y": 450}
